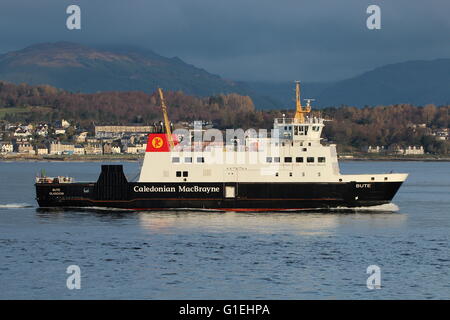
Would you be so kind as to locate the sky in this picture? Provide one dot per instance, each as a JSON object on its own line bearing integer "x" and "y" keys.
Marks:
{"x": 258, "y": 40}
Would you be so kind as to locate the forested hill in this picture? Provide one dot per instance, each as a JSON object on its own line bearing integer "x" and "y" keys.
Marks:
{"x": 351, "y": 127}
{"x": 45, "y": 103}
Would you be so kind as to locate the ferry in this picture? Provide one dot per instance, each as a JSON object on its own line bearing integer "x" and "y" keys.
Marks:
{"x": 288, "y": 169}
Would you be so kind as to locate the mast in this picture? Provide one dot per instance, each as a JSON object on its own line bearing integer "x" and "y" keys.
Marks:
{"x": 299, "y": 111}
{"x": 166, "y": 119}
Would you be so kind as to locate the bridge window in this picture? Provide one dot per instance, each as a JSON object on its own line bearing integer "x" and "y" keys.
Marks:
{"x": 188, "y": 159}
{"x": 185, "y": 173}
{"x": 276, "y": 159}
{"x": 288, "y": 159}
{"x": 175, "y": 160}
{"x": 269, "y": 159}
{"x": 310, "y": 159}
{"x": 299, "y": 159}
{"x": 304, "y": 149}
{"x": 200, "y": 160}
{"x": 178, "y": 173}
{"x": 321, "y": 159}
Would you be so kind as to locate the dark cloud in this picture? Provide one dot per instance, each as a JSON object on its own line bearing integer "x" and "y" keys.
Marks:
{"x": 245, "y": 39}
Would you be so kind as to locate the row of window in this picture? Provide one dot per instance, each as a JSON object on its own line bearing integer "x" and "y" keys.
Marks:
{"x": 297, "y": 159}
{"x": 268, "y": 159}
{"x": 292, "y": 144}
{"x": 301, "y": 130}
{"x": 290, "y": 174}
{"x": 188, "y": 160}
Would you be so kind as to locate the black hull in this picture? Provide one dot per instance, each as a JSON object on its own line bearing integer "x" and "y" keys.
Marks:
{"x": 113, "y": 191}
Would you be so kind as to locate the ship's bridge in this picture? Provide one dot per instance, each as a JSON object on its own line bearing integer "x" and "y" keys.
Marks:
{"x": 293, "y": 129}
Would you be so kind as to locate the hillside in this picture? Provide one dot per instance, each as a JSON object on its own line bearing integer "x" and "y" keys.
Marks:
{"x": 86, "y": 69}
{"x": 415, "y": 82}
{"x": 81, "y": 68}
{"x": 25, "y": 103}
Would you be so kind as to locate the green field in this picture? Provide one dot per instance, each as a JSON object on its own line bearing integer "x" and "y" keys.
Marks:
{"x": 14, "y": 110}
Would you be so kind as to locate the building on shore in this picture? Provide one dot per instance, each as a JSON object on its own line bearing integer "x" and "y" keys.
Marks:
{"x": 375, "y": 149}
{"x": 131, "y": 149}
{"x": 6, "y": 147}
{"x": 25, "y": 148}
{"x": 81, "y": 138}
{"x": 58, "y": 148}
{"x": 120, "y": 131}
{"x": 409, "y": 150}
{"x": 22, "y": 132}
{"x": 107, "y": 148}
{"x": 79, "y": 150}
{"x": 116, "y": 150}
{"x": 40, "y": 151}
{"x": 136, "y": 148}
{"x": 93, "y": 148}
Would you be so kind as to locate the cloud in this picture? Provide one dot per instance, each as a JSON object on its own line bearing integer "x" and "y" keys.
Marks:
{"x": 245, "y": 39}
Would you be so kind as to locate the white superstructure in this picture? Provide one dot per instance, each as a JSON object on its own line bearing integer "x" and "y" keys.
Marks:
{"x": 293, "y": 153}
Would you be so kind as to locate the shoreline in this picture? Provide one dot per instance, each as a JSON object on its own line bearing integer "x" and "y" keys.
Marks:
{"x": 135, "y": 158}
{"x": 423, "y": 159}
{"x": 90, "y": 158}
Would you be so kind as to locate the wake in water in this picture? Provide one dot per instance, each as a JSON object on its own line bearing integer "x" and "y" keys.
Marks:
{"x": 15, "y": 205}
{"x": 388, "y": 207}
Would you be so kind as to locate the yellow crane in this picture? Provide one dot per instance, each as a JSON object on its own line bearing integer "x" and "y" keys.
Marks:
{"x": 299, "y": 110}
{"x": 166, "y": 119}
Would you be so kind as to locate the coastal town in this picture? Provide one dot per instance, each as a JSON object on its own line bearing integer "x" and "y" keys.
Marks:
{"x": 63, "y": 139}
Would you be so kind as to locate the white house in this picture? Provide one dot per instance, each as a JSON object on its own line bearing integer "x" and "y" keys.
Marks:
{"x": 79, "y": 149}
{"x": 6, "y": 148}
{"x": 414, "y": 150}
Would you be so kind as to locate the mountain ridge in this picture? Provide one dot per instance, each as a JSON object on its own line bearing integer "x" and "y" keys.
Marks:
{"x": 83, "y": 68}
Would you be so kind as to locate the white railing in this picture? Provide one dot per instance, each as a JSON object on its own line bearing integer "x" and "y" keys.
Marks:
{"x": 308, "y": 120}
